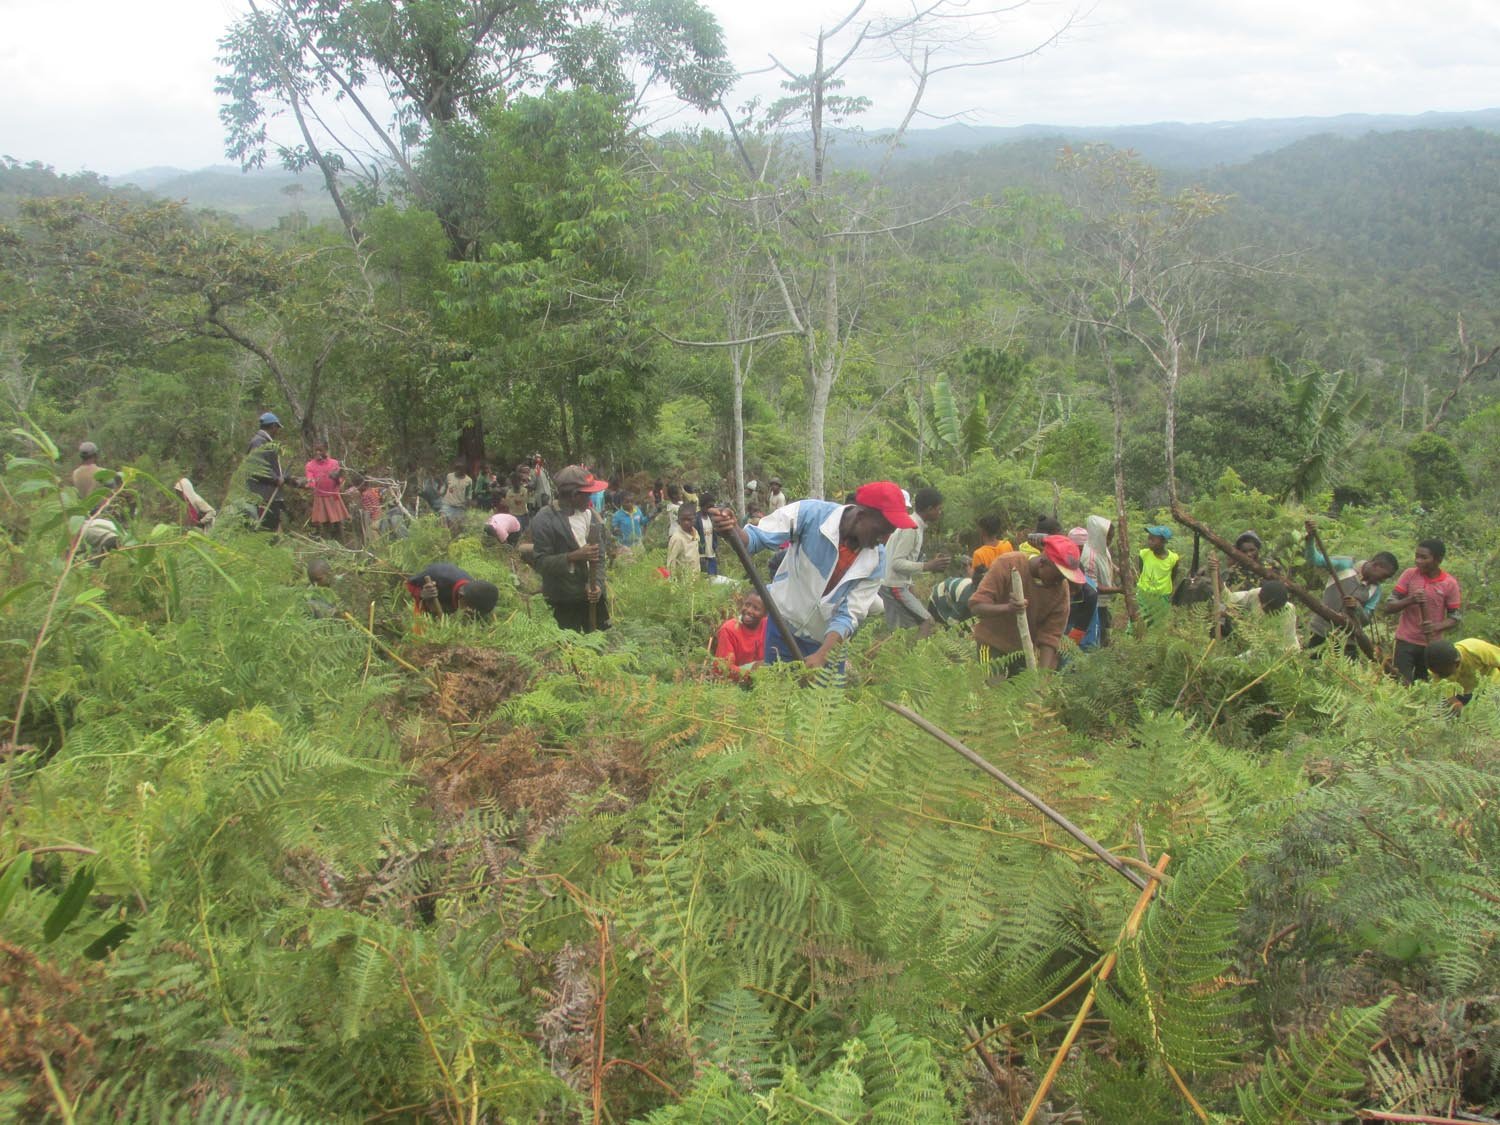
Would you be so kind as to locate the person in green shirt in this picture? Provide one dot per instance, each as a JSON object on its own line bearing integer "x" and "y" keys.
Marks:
{"x": 1158, "y": 574}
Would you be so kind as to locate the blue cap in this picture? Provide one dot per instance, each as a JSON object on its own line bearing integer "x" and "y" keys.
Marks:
{"x": 1159, "y": 529}
{"x": 269, "y": 419}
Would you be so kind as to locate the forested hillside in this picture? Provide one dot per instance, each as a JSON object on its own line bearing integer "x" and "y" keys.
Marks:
{"x": 323, "y": 800}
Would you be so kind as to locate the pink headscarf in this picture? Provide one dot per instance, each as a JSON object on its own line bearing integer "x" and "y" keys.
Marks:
{"x": 1080, "y": 537}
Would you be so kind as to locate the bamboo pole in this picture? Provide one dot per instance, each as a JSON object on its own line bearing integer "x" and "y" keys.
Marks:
{"x": 594, "y": 539}
{"x": 1132, "y": 925}
{"x": 1021, "y": 791}
{"x": 1023, "y": 624}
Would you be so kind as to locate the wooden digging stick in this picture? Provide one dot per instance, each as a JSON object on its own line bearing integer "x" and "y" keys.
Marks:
{"x": 759, "y": 583}
{"x": 1213, "y": 578}
{"x": 1365, "y": 645}
{"x": 1023, "y": 625}
{"x": 1315, "y": 604}
{"x": 595, "y": 539}
{"x": 1020, "y": 791}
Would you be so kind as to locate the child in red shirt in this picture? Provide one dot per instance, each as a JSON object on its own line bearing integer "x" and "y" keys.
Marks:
{"x": 741, "y": 643}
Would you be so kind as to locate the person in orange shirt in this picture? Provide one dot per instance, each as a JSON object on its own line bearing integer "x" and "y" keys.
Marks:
{"x": 991, "y": 549}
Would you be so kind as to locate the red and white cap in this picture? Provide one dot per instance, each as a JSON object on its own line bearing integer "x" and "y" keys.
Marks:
{"x": 1062, "y": 553}
{"x": 885, "y": 498}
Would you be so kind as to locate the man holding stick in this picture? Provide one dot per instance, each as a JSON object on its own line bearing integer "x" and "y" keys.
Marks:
{"x": 1353, "y": 589}
{"x": 569, "y": 554}
{"x": 1045, "y": 582}
{"x": 830, "y": 579}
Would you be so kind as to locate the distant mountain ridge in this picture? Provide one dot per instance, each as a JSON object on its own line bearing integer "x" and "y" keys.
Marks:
{"x": 257, "y": 198}
{"x": 262, "y": 197}
{"x": 1183, "y": 146}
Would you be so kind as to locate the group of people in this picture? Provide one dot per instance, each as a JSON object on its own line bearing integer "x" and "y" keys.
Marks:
{"x": 333, "y": 487}
{"x": 833, "y": 563}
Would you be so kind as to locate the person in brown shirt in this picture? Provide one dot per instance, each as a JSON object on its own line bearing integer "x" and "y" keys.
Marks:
{"x": 86, "y": 476}
{"x": 1045, "y": 582}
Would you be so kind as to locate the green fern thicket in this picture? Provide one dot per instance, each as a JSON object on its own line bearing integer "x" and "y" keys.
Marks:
{"x": 259, "y": 870}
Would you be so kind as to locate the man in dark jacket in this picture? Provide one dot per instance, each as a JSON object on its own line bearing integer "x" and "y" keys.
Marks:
{"x": 265, "y": 477}
{"x": 568, "y": 552}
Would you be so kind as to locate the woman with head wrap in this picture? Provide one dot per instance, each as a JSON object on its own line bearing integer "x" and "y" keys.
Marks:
{"x": 199, "y": 513}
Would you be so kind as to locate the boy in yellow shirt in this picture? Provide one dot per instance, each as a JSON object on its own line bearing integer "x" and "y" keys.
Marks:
{"x": 1465, "y": 661}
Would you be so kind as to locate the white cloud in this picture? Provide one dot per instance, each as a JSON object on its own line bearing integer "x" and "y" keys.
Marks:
{"x": 115, "y": 86}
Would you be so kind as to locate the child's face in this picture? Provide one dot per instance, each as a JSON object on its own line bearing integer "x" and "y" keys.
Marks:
{"x": 1444, "y": 672}
{"x": 1155, "y": 542}
{"x": 753, "y": 612}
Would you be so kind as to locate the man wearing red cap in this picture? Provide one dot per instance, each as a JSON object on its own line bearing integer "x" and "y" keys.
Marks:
{"x": 835, "y": 559}
{"x": 1045, "y": 582}
{"x": 568, "y": 551}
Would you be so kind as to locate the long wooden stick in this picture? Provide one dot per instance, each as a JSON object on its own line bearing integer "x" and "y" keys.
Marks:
{"x": 759, "y": 583}
{"x": 1132, "y": 924}
{"x": 1023, "y": 624}
{"x": 1312, "y": 602}
{"x": 1021, "y": 791}
{"x": 1213, "y": 578}
{"x": 1354, "y": 626}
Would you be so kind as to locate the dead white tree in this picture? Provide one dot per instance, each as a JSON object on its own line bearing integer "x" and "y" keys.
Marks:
{"x": 824, "y": 233}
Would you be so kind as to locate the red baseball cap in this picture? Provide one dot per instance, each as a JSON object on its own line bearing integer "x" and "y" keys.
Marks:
{"x": 886, "y": 499}
{"x": 1062, "y": 553}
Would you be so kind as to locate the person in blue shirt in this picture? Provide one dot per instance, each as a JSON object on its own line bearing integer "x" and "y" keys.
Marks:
{"x": 628, "y": 522}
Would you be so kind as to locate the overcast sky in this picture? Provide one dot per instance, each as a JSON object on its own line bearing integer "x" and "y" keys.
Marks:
{"x": 114, "y": 86}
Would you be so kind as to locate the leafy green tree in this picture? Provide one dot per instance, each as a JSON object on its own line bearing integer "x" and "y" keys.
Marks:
{"x": 547, "y": 309}
{"x": 444, "y": 65}
{"x": 1437, "y": 471}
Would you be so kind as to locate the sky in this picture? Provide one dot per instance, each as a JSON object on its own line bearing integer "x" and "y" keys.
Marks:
{"x": 114, "y": 87}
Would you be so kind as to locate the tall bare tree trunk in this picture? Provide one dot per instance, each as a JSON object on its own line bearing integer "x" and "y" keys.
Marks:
{"x": 1124, "y": 568}
{"x": 738, "y": 365}
{"x": 1174, "y": 373}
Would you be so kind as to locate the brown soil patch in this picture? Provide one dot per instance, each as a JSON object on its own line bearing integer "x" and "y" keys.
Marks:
{"x": 514, "y": 773}
{"x": 469, "y": 757}
{"x": 471, "y": 681}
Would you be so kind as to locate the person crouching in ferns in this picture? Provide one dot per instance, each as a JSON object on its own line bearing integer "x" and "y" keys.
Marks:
{"x": 1465, "y": 662}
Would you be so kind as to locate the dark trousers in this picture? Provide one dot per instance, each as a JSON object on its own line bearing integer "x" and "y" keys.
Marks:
{"x": 1411, "y": 661}
{"x": 708, "y": 564}
{"x": 575, "y": 615}
{"x": 777, "y": 652}
{"x": 271, "y": 508}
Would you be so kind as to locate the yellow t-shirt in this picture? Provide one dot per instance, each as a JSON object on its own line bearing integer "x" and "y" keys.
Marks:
{"x": 1476, "y": 659}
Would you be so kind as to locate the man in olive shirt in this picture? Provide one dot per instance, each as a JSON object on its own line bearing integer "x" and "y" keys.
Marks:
{"x": 1045, "y": 582}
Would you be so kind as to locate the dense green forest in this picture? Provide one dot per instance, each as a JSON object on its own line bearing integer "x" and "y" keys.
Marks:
{"x": 278, "y": 853}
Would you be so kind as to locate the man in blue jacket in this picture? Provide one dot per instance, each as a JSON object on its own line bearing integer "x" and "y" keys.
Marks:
{"x": 835, "y": 559}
